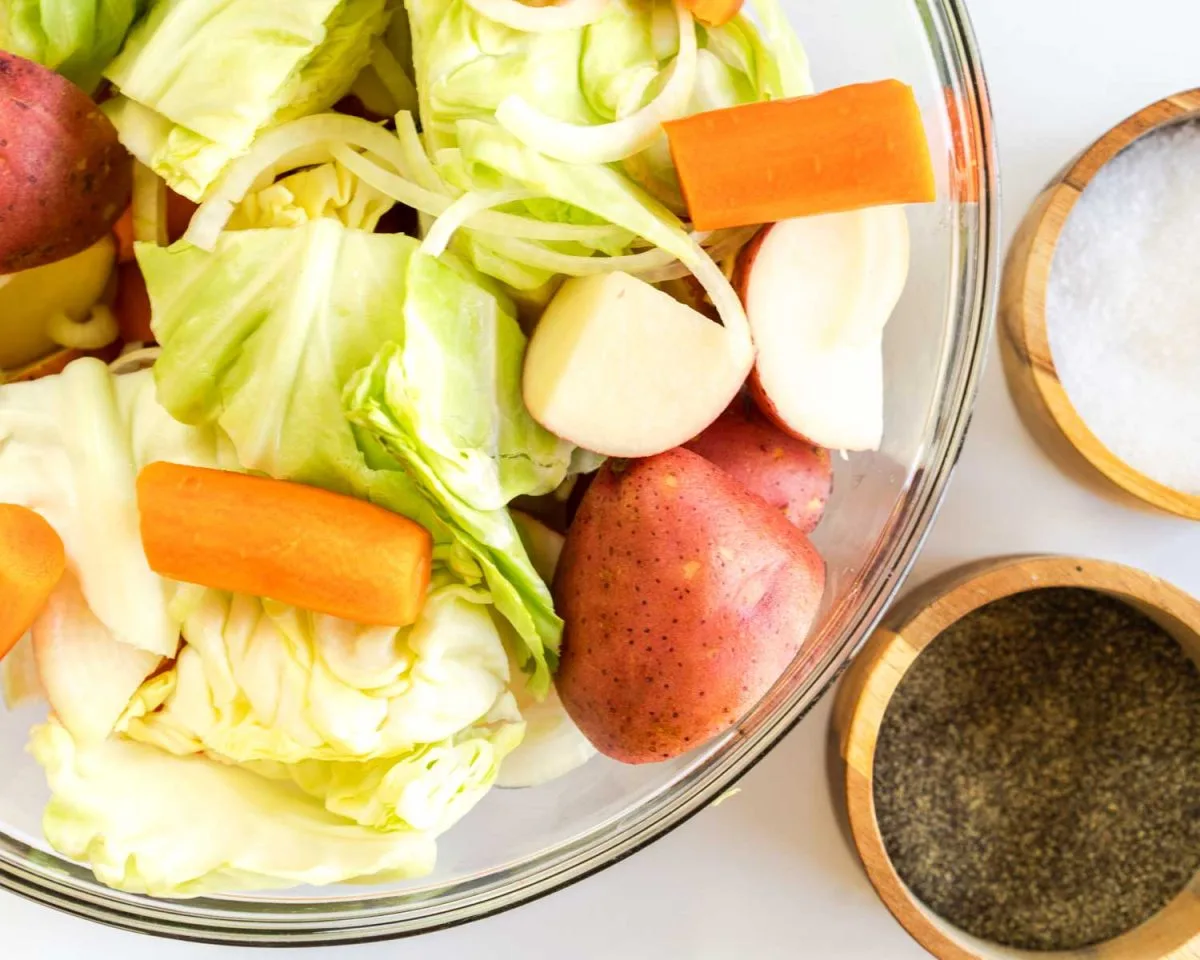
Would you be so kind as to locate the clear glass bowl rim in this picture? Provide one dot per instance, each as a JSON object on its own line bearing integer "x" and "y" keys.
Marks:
{"x": 301, "y": 922}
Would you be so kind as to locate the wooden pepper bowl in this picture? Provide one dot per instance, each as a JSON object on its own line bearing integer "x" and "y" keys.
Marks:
{"x": 1024, "y": 347}
{"x": 866, "y": 691}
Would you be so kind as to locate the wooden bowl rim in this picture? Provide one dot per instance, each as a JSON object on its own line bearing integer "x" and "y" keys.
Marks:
{"x": 1034, "y": 276}
{"x": 883, "y": 662}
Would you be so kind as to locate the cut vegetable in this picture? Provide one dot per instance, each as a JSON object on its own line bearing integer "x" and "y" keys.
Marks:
{"x": 278, "y": 148}
{"x": 552, "y": 746}
{"x": 28, "y": 299}
{"x": 714, "y": 12}
{"x": 300, "y": 545}
{"x": 568, "y": 15}
{"x": 622, "y": 369}
{"x": 818, "y": 292}
{"x": 132, "y": 305}
{"x": 123, "y": 236}
{"x": 32, "y": 561}
{"x": 396, "y": 82}
{"x": 97, "y": 330}
{"x": 89, "y": 676}
{"x": 149, "y": 206}
{"x": 19, "y": 680}
{"x": 460, "y": 211}
{"x": 849, "y": 148}
{"x": 608, "y": 142}
{"x": 64, "y": 177}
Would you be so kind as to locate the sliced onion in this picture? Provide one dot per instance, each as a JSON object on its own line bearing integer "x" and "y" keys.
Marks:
{"x": 397, "y": 187}
{"x": 149, "y": 206}
{"x": 397, "y": 83}
{"x": 307, "y": 156}
{"x": 720, "y": 246}
{"x": 507, "y": 224}
{"x": 98, "y": 330}
{"x": 420, "y": 167}
{"x": 720, "y": 291}
{"x": 569, "y": 15}
{"x": 462, "y": 210}
{"x": 608, "y": 142}
{"x": 271, "y": 147}
{"x": 543, "y": 258}
{"x": 132, "y": 361}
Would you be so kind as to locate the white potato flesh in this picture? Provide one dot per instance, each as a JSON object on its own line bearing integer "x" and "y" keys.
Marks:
{"x": 625, "y": 370}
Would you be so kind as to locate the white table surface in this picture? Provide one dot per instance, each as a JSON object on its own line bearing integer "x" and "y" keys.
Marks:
{"x": 767, "y": 874}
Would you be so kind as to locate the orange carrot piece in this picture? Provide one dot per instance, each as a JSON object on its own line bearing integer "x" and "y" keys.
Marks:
{"x": 853, "y": 147}
{"x": 123, "y": 234}
{"x": 714, "y": 12}
{"x": 32, "y": 561}
{"x": 132, "y": 305}
{"x": 297, "y": 544}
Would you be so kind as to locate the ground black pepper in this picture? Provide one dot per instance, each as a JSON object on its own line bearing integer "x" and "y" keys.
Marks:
{"x": 1037, "y": 775}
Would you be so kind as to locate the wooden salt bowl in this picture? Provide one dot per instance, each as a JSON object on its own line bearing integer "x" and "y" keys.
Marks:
{"x": 1024, "y": 347}
{"x": 863, "y": 698}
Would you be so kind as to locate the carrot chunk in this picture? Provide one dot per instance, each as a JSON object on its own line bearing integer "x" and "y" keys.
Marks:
{"x": 32, "y": 561}
{"x": 714, "y": 12}
{"x": 297, "y": 544}
{"x": 132, "y": 305}
{"x": 853, "y": 147}
{"x": 123, "y": 235}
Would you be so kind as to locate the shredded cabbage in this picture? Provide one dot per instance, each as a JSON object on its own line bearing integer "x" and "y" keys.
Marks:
{"x": 568, "y": 15}
{"x": 288, "y": 141}
{"x": 461, "y": 210}
{"x": 327, "y": 190}
{"x": 391, "y": 74}
{"x": 608, "y": 142}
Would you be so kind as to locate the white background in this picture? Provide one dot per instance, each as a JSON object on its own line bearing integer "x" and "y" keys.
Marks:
{"x": 767, "y": 874}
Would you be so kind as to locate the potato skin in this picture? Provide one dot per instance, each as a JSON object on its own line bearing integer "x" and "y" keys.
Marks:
{"x": 792, "y": 475}
{"x": 684, "y": 599}
{"x": 64, "y": 177}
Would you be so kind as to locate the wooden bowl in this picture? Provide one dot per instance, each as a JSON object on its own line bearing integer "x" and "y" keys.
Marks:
{"x": 1024, "y": 347}
{"x": 866, "y": 691}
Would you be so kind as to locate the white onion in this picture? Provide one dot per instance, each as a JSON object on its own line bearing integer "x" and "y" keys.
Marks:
{"x": 271, "y": 147}
{"x": 608, "y": 142}
{"x": 721, "y": 245}
{"x": 420, "y": 167}
{"x": 506, "y": 224}
{"x": 397, "y": 83}
{"x": 98, "y": 330}
{"x": 149, "y": 206}
{"x": 134, "y": 360}
{"x": 569, "y": 15}
{"x": 462, "y": 210}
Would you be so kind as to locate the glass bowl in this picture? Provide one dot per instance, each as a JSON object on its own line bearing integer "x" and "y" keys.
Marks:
{"x": 521, "y": 844}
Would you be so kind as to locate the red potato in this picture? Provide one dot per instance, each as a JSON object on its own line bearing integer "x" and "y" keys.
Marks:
{"x": 791, "y": 475}
{"x": 684, "y": 599}
{"x": 64, "y": 177}
{"x": 818, "y": 292}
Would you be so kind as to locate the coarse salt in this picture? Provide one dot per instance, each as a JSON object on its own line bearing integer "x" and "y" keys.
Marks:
{"x": 1123, "y": 307}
